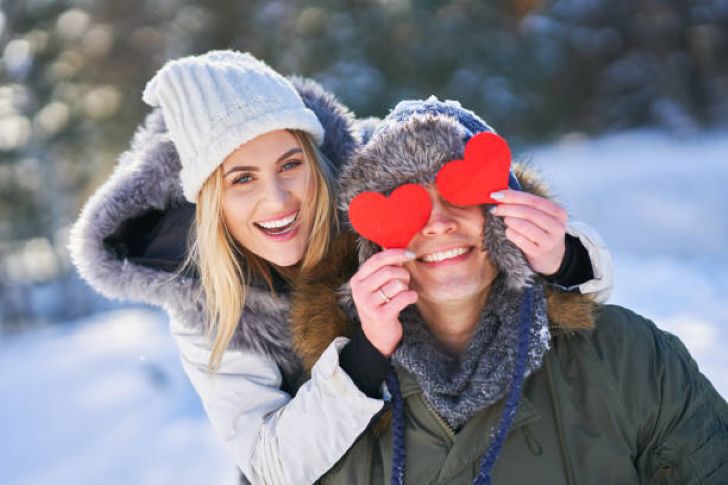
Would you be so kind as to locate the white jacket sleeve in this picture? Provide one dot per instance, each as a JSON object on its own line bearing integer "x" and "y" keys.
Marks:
{"x": 600, "y": 287}
{"x": 273, "y": 438}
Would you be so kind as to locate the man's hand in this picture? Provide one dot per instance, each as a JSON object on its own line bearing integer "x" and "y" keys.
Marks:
{"x": 536, "y": 225}
{"x": 381, "y": 290}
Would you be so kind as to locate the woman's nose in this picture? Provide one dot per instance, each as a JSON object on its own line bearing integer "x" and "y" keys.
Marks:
{"x": 276, "y": 193}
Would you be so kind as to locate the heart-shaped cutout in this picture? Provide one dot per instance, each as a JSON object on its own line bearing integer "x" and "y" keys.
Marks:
{"x": 391, "y": 221}
{"x": 483, "y": 170}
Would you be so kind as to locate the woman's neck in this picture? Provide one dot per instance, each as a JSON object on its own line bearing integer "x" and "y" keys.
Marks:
{"x": 453, "y": 323}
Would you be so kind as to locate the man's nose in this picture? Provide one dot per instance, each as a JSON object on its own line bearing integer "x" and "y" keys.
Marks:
{"x": 441, "y": 220}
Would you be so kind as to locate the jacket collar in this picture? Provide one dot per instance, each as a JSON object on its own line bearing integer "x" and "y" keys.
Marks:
{"x": 526, "y": 413}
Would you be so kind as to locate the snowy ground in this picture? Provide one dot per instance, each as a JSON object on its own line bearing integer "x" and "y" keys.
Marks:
{"x": 104, "y": 400}
{"x": 661, "y": 204}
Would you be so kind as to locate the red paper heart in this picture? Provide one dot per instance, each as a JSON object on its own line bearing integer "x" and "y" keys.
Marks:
{"x": 391, "y": 221}
{"x": 484, "y": 170}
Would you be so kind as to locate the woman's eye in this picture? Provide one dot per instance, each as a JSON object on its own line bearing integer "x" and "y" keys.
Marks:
{"x": 243, "y": 179}
{"x": 291, "y": 164}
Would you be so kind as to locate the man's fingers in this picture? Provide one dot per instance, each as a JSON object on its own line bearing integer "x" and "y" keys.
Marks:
{"x": 395, "y": 257}
{"x": 399, "y": 303}
{"x": 523, "y": 242}
{"x": 540, "y": 218}
{"x": 393, "y": 288}
{"x": 517, "y": 197}
{"x": 529, "y": 230}
{"x": 383, "y": 276}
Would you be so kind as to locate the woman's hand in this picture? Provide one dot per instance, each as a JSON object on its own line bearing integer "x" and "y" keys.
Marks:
{"x": 536, "y": 225}
{"x": 381, "y": 290}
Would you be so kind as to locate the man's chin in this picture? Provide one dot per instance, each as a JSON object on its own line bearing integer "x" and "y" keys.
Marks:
{"x": 448, "y": 292}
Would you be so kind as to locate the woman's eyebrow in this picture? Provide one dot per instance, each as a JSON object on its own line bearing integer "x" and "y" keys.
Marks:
{"x": 289, "y": 153}
{"x": 241, "y": 168}
{"x": 249, "y": 168}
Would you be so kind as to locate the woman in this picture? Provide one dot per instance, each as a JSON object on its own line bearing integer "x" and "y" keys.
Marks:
{"x": 498, "y": 377}
{"x": 249, "y": 149}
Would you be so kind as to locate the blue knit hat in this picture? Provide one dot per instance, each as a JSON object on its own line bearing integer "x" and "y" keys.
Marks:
{"x": 472, "y": 123}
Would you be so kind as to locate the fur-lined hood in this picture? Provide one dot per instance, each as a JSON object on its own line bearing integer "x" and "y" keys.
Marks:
{"x": 146, "y": 180}
{"x": 410, "y": 146}
{"x": 322, "y": 304}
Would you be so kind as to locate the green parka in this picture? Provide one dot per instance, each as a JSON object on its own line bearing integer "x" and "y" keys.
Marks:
{"x": 617, "y": 400}
{"x": 620, "y": 403}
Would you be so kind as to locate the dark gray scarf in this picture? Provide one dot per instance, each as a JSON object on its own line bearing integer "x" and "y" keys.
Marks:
{"x": 458, "y": 387}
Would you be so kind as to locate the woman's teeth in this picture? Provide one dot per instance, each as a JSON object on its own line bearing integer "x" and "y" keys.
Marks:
{"x": 443, "y": 255}
{"x": 279, "y": 223}
{"x": 278, "y": 226}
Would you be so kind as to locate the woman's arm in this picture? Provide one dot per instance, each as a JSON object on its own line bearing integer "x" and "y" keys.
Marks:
{"x": 600, "y": 286}
{"x": 273, "y": 437}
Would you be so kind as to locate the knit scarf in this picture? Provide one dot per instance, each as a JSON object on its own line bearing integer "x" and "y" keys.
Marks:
{"x": 458, "y": 387}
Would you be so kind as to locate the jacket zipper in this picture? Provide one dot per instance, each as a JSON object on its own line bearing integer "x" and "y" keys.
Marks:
{"x": 450, "y": 432}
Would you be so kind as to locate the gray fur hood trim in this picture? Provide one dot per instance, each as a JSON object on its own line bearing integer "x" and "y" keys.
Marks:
{"x": 412, "y": 150}
{"x": 147, "y": 178}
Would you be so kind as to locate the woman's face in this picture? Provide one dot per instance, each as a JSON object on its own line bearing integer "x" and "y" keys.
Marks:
{"x": 450, "y": 263}
{"x": 268, "y": 193}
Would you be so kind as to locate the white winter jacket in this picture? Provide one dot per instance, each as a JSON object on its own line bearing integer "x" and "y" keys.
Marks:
{"x": 273, "y": 437}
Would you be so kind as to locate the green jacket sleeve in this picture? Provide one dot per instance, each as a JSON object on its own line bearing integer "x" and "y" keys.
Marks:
{"x": 683, "y": 436}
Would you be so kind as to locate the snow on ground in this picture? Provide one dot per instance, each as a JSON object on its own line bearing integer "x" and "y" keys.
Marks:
{"x": 661, "y": 204}
{"x": 105, "y": 400}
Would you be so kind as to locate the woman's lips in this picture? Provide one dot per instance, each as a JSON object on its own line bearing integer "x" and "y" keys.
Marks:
{"x": 290, "y": 232}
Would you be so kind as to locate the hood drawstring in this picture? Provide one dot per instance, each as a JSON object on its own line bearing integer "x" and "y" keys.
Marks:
{"x": 514, "y": 395}
{"x": 399, "y": 453}
{"x": 398, "y": 450}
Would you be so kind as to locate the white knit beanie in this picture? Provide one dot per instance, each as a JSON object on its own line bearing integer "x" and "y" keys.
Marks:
{"x": 215, "y": 102}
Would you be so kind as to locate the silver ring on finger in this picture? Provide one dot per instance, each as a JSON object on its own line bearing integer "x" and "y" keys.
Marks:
{"x": 384, "y": 296}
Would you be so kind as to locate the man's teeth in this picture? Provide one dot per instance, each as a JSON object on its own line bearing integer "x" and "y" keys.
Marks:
{"x": 443, "y": 255}
{"x": 279, "y": 223}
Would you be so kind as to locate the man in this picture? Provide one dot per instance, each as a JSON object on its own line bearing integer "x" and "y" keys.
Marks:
{"x": 499, "y": 376}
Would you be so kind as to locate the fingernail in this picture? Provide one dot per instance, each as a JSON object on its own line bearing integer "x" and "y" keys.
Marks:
{"x": 409, "y": 255}
{"x": 497, "y": 195}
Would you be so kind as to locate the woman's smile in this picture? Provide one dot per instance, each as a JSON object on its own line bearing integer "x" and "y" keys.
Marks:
{"x": 281, "y": 227}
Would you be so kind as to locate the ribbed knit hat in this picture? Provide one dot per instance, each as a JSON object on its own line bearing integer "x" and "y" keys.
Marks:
{"x": 215, "y": 102}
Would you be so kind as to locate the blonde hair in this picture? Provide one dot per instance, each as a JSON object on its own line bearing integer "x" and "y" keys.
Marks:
{"x": 225, "y": 267}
